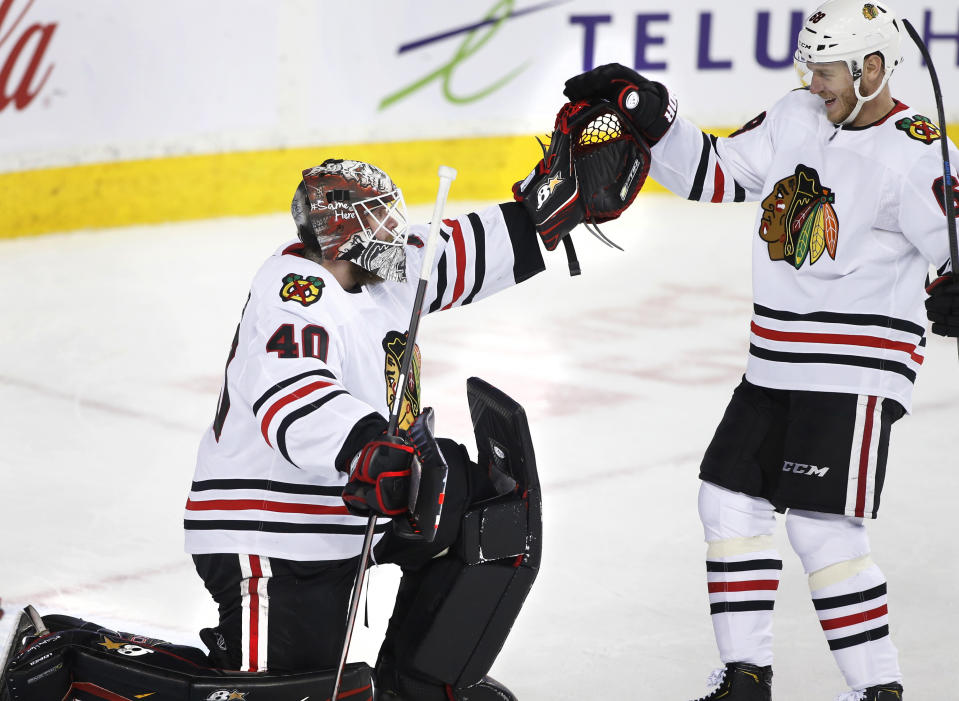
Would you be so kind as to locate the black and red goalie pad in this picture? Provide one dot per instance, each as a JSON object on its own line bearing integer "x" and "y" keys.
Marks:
{"x": 592, "y": 171}
{"x": 80, "y": 660}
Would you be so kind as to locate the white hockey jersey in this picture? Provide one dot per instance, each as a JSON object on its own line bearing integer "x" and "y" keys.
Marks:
{"x": 312, "y": 364}
{"x": 849, "y": 222}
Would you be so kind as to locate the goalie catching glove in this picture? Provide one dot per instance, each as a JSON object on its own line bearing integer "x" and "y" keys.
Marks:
{"x": 595, "y": 164}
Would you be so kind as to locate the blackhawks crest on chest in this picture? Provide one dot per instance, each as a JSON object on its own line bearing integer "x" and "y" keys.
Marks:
{"x": 799, "y": 220}
{"x": 304, "y": 290}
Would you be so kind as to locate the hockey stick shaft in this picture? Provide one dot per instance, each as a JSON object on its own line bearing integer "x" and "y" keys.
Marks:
{"x": 948, "y": 197}
{"x": 446, "y": 176}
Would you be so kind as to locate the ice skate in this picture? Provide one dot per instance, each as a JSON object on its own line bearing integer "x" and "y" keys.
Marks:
{"x": 881, "y": 692}
{"x": 740, "y": 681}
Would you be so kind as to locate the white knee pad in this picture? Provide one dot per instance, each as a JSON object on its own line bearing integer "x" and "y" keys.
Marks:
{"x": 732, "y": 516}
{"x": 831, "y": 547}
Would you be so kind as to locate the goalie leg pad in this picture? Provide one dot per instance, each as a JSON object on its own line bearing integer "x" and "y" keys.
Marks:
{"x": 452, "y": 616}
{"x": 81, "y": 660}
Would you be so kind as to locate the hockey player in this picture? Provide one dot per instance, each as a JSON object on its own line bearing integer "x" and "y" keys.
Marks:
{"x": 851, "y": 217}
{"x": 296, "y": 458}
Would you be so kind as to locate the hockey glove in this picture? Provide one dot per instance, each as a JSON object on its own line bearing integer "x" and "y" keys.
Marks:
{"x": 550, "y": 192}
{"x": 942, "y": 305}
{"x": 646, "y": 103}
{"x": 401, "y": 476}
{"x": 595, "y": 166}
{"x": 380, "y": 478}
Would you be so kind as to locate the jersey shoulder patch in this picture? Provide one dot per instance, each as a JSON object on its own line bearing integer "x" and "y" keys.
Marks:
{"x": 920, "y": 128}
{"x": 304, "y": 290}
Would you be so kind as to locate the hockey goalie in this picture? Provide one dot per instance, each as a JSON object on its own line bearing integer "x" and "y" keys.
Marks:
{"x": 302, "y": 454}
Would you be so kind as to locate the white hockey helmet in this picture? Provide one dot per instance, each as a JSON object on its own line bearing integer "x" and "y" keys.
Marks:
{"x": 849, "y": 31}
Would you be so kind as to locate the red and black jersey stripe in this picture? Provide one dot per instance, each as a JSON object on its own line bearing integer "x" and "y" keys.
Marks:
{"x": 709, "y": 154}
{"x": 266, "y": 485}
{"x": 279, "y": 386}
{"x": 479, "y": 268}
{"x": 279, "y": 527}
{"x": 816, "y": 331}
{"x": 297, "y": 414}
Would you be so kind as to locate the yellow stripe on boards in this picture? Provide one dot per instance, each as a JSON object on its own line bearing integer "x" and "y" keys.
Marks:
{"x": 179, "y": 188}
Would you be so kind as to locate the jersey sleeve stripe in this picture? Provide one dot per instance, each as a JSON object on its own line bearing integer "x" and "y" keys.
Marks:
{"x": 706, "y": 189}
{"x": 286, "y": 383}
{"x": 459, "y": 247}
{"x": 699, "y": 182}
{"x": 838, "y": 339}
{"x": 479, "y": 265}
{"x": 719, "y": 184}
{"x": 282, "y": 402}
{"x": 527, "y": 256}
{"x": 281, "y": 507}
{"x": 299, "y": 414}
{"x": 740, "y": 193}
{"x": 440, "y": 277}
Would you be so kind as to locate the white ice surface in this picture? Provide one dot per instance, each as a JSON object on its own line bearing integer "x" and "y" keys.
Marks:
{"x": 113, "y": 349}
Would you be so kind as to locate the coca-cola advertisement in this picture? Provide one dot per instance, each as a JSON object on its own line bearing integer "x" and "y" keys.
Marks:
{"x": 24, "y": 65}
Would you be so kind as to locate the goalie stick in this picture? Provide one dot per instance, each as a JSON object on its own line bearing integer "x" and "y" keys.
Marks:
{"x": 446, "y": 175}
{"x": 947, "y": 188}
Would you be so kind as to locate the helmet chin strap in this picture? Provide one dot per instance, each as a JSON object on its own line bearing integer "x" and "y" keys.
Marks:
{"x": 863, "y": 99}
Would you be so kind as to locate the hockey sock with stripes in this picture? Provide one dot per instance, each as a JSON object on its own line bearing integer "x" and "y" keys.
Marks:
{"x": 742, "y": 572}
{"x": 854, "y": 616}
{"x": 742, "y": 592}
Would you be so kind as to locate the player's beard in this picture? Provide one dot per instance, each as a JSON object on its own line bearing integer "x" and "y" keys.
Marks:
{"x": 365, "y": 277}
{"x": 384, "y": 261}
{"x": 845, "y": 103}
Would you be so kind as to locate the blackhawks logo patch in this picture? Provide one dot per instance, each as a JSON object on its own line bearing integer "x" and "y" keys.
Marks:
{"x": 394, "y": 344}
{"x": 296, "y": 288}
{"x": 799, "y": 220}
{"x": 870, "y": 11}
{"x": 920, "y": 128}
